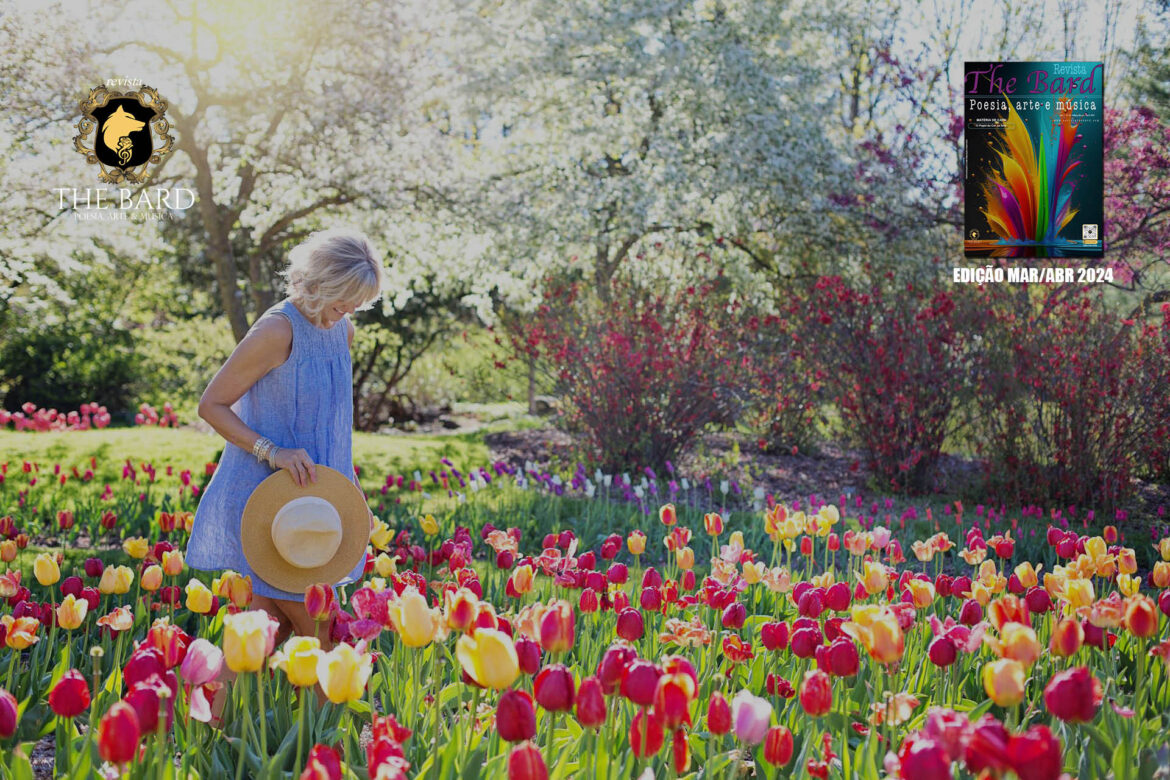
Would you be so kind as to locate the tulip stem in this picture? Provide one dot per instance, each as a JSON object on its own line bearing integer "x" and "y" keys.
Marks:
{"x": 301, "y": 730}
{"x": 12, "y": 653}
{"x": 263, "y": 722}
{"x": 246, "y": 730}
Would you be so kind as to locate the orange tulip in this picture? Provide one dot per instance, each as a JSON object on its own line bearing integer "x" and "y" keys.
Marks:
{"x": 713, "y": 522}
{"x": 21, "y": 632}
{"x": 1067, "y": 638}
{"x": 668, "y": 515}
{"x": 1141, "y": 616}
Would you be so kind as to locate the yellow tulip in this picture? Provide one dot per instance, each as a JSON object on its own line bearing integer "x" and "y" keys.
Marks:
{"x": 489, "y": 657}
{"x": 46, "y": 570}
{"x": 874, "y": 578}
{"x": 136, "y": 547}
{"x": 636, "y": 542}
{"x": 385, "y": 565}
{"x": 1096, "y": 548}
{"x": 753, "y": 571}
{"x": 1128, "y": 584}
{"x": 429, "y": 525}
{"x": 1004, "y": 681}
{"x": 248, "y": 638}
{"x": 1027, "y": 575}
{"x": 415, "y": 622}
{"x": 299, "y": 659}
{"x": 198, "y": 597}
{"x": 71, "y": 612}
{"x": 1127, "y": 560}
{"x": 381, "y": 536}
{"x": 876, "y": 627}
{"x": 1079, "y": 593}
{"x": 116, "y": 580}
{"x": 1164, "y": 548}
{"x": 343, "y": 673}
{"x": 685, "y": 557}
{"x": 152, "y": 578}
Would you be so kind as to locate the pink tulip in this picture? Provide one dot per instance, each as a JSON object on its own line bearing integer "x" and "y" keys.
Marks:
{"x": 751, "y": 717}
{"x": 202, "y": 664}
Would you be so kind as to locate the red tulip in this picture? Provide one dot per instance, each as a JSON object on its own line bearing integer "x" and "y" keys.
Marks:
{"x": 734, "y": 615}
{"x": 591, "y": 710}
{"x": 680, "y": 751}
{"x": 838, "y": 597}
{"x": 324, "y": 764}
{"x": 516, "y": 716}
{"x": 778, "y": 746}
{"x": 639, "y": 681}
{"x": 9, "y": 711}
{"x": 971, "y": 613}
{"x": 805, "y": 640}
{"x": 646, "y": 734}
{"x": 118, "y": 734}
{"x": 816, "y": 693}
{"x": 774, "y": 636}
{"x": 94, "y": 567}
{"x": 987, "y": 746}
{"x": 630, "y": 625}
{"x": 841, "y": 658}
{"x": 672, "y": 699}
{"x": 526, "y": 763}
{"x": 1073, "y": 695}
{"x": 718, "y": 714}
{"x": 553, "y": 688}
{"x": 923, "y": 757}
{"x": 1035, "y": 754}
{"x": 612, "y": 667}
{"x": 320, "y": 602}
{"x": 942, "y": 651}
{"x": 143, "y": 663}
{"x": 528, "y": 653}
{"x": 70, "y": 696}
{"x": 170, "y": 641}
{"x": 618, "y": 574}
{"x": 588, "y": 602}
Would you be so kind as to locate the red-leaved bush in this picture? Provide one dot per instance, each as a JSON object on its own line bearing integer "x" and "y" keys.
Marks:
{"x": 1071, "y": 397}
{"x": 644, "y": 372}
{"x": 894, "y": 361}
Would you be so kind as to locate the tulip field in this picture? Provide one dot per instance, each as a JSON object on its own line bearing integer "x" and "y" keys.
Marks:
{"x": 521, "y": 624}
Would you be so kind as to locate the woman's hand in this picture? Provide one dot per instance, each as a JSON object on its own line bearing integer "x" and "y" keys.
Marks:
{"x": 298, "y": 464}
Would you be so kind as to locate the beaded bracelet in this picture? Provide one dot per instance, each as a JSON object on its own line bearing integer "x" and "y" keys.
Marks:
{"x": 265, "y": 450}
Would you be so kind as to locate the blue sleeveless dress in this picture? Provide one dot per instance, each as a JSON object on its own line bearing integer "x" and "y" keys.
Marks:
{"x": 305, "y": 402}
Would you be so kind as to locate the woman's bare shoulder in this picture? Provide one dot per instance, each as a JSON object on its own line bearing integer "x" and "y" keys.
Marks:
{"x": 271, "y": 335}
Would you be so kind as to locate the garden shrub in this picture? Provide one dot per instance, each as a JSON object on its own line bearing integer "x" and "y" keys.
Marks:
{"x": 893, "y": 360}
{"x": 1071, "y": 398}
{"x": 644, "y": 371}
{"x": 65, "y": 364}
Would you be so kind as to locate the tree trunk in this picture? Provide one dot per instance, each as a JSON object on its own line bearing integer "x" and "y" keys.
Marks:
{"x": 219, "y": 245}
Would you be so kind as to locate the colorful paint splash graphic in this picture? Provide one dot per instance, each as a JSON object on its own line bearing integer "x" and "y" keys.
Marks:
{"x": 1029, "y": 200}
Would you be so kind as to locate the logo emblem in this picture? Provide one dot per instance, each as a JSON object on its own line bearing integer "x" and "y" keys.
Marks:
{"x": 123, "y": 133}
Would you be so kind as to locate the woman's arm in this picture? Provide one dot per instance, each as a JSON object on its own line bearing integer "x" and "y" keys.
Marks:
{"x": 266, "y": 346}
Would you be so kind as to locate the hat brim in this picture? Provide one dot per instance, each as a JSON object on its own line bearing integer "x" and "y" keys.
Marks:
{"x": 272, "y": 494}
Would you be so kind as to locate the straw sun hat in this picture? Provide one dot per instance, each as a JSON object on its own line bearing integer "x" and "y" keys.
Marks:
{"x": 294, "y": 537}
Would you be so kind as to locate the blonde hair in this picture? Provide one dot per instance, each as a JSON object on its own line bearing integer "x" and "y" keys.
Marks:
{"x": 336, "y": 264}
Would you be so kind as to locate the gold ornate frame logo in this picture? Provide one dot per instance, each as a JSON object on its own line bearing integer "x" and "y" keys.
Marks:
{"x": 129, "y": 133}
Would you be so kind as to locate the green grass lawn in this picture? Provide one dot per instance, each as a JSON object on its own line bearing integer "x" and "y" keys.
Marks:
{"x": 375, "y": 454}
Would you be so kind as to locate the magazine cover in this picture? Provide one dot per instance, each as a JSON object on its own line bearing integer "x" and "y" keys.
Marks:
{"x": 1033, "y": 180}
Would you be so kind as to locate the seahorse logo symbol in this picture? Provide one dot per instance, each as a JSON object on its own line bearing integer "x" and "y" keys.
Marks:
{"x": 116, "y": 133}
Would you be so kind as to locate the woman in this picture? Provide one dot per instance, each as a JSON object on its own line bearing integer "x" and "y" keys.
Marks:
{"x": 290, "y": 382}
